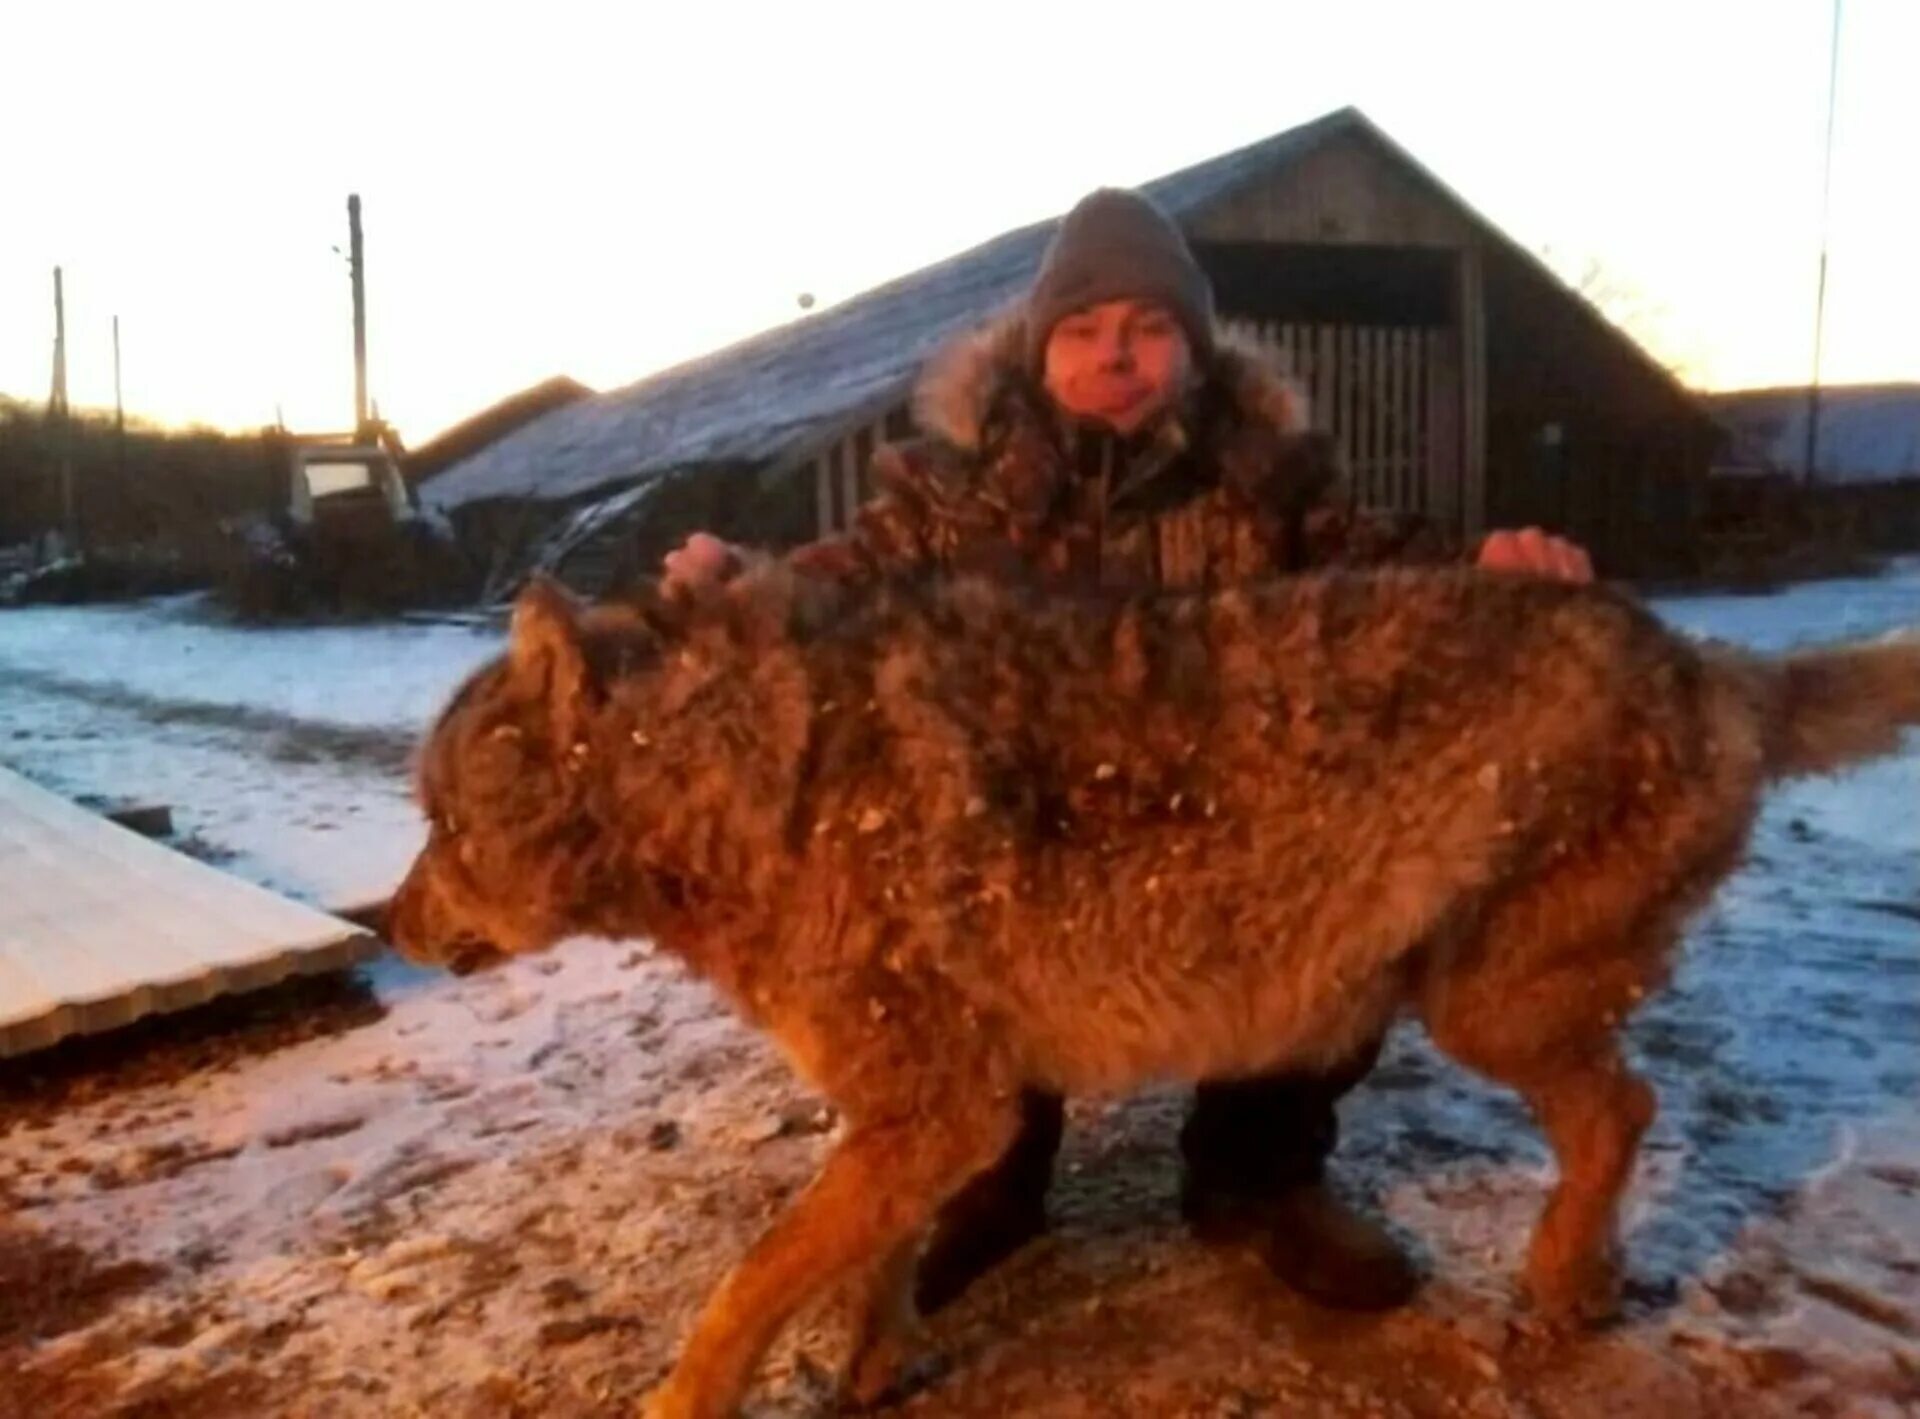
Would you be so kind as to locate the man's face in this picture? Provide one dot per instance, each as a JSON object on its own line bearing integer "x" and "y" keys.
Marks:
{"x": 1119, "y": 363}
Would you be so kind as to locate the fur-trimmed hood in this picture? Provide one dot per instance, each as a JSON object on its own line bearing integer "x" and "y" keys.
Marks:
{"x": 974, "y": 378}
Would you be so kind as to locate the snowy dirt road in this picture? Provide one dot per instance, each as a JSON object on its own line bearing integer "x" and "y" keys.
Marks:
{"x": 408, "y": 1194}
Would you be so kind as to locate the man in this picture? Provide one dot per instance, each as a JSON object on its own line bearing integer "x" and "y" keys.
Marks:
{"x": 1103, "y": 434}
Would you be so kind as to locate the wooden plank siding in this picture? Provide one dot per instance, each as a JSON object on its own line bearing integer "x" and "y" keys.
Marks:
{"x": 1473, "y": 395}
{"x": 1349, "y": 190}
{"x": 1388, "y": 395}
{"x": 1383, "y": 393}
{"x": 842, "y": 473}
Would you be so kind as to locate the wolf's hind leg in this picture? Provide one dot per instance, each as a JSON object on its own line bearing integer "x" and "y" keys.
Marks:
{"x": 1532, "y": 1005}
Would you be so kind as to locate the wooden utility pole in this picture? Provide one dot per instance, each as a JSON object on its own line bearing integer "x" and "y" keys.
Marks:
{"x": 1820, "y": 291}
{"x": 357, "y": 268}
{"x": 119, "y": 413}
{"x": 60, "y": 416}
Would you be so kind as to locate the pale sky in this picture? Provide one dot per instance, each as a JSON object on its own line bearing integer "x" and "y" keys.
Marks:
{"x": 604, "y": 190}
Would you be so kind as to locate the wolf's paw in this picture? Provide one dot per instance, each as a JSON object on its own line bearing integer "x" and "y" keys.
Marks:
{"x": 886, "y": 1374}
{"x": 1572, "y": 1296}
{"x": 673, "y": 1400}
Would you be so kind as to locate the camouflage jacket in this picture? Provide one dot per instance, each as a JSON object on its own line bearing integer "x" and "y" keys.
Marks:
{"x": 1233, "y": 485}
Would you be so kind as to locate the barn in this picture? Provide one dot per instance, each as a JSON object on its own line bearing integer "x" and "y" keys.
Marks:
{"x": 1461, "y": 378}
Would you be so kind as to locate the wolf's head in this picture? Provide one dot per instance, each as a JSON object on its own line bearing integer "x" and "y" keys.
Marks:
{"x": 594, "y": 778}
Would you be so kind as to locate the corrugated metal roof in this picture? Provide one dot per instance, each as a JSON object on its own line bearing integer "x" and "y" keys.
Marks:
{"x": 760, "y": 398}
{"x": 1868, "y": 433}
{"x": 99, "y": 926}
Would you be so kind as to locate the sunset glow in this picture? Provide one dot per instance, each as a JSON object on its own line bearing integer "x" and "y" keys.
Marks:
{"x": 604, "y": 191}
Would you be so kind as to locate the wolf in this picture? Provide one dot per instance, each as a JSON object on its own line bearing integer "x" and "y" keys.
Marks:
{"x": 950, "y": 840}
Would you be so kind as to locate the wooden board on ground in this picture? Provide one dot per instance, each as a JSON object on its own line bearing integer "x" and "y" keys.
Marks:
{"x": 99, "y": 926}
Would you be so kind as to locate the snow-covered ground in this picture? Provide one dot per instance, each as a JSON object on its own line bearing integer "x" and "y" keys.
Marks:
{"x": 505, "y": 1194}
{"x": 283, "y": 753}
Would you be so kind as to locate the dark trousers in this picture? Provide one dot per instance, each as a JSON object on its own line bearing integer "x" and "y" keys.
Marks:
{"x": 1254, "y": 1137}
{"x": 1244, "y": 1140}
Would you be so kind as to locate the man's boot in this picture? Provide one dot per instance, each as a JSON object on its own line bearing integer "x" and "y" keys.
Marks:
{"x": 1311, "y": 1240}
{"x": 1256, "y": 1156}
{"x": 998, "y": 1212}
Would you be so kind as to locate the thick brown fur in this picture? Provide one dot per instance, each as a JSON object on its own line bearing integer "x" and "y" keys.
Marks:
{"x": 948, "y": 842}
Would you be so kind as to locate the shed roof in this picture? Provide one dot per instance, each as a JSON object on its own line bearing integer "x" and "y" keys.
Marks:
{"x": 794, "y": 387}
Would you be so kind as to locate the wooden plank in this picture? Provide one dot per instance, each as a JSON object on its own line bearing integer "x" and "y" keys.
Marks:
{"x": 1343, "y": 345}
{"x": 1368, "y": 415}
{"x": 1433, "y": 465}
{"x": 1400, "y": 430}
{"x": 1360, "y": 400}
{"x": 1323, "y": 372}
{"x": 1358, "y": 342}
{"x": 1415, "y": 404}
{"x": 1389, "y": 473}
{"x": 1302, "y": 356}
{"x": 1350, "y": 190}
{"x": 99, "y": 926}
{"x": 1350, "y": 387}
{"x": 881, "y": 437}
{"x": 849, "y": 455}
{"x": 1344, "y": 371}
{"x": 822, "y": 497}
{"x": 1387, "y": 364}
{"x": 1419, "y": 410}
{"x": 1380, "y": 411}
{"x": 1443, "y": 430}
{"x": 1399, "y": 380}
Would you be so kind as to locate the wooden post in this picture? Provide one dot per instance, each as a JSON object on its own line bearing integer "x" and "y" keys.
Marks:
{"x": 1473, "y": 394}
{"x": 1444, "y": 441}
{"x": 119, "y": 414}
{"x": 823, "y": 495}
{"x": 357, "y": 270}
{"x": 1412, "y": 421}
{"x": 848, "y": 453}
{"x": 1366, "y": 419}
{"x": 62, "y": 415}
{"x": 1812, "y": 459}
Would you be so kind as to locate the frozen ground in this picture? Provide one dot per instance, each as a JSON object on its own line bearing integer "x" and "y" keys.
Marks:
{"x": 283, "y": 753}
{"x": 504, "y": 1195}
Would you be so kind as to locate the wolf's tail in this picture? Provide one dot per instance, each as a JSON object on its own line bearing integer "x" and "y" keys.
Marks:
{"x": 1842, "y": 704}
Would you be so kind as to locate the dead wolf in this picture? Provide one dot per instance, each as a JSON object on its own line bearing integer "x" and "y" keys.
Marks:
{"x": 945, "y": 842}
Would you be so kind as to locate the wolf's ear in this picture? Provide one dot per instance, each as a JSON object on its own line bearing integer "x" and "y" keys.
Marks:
{"x": 544, "y": 649}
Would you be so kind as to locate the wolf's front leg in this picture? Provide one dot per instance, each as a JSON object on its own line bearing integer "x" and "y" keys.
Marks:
{"x": 890, "y": 1336}
{"x": 876, "y": 1195}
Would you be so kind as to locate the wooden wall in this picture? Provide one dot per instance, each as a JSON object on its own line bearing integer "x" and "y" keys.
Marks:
{"x": 1348, "y": 191}
{"x": 1584, "y": 435}
{"x": 1390, "y": 397}
{"x": 1354, "y": 195}
{"x": 1463, "y": 382}
{"x": 839, "y": 475}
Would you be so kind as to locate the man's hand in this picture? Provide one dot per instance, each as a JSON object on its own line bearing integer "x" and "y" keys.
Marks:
{"x": 1532, "y": 552}
{"x": 702, "y": 560}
